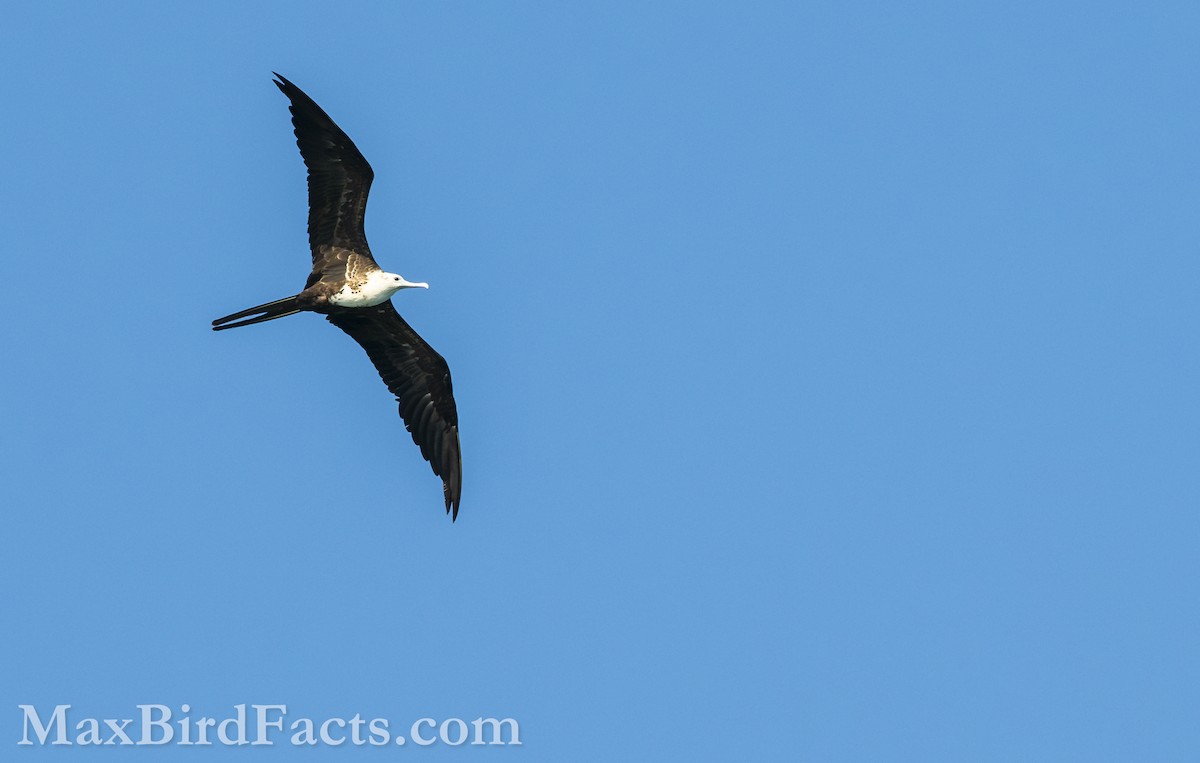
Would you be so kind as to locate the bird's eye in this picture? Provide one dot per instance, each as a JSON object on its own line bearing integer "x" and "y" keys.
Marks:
{"x": 397, "y": 278}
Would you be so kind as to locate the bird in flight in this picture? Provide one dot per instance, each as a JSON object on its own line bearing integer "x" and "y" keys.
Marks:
{"x": 354, "y": 293}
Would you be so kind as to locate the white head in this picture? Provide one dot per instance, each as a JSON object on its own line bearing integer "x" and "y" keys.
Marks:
{"x": 392, "y": 283}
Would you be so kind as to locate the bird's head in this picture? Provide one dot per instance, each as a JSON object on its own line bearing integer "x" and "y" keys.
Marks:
{"x": 394, "y": 282}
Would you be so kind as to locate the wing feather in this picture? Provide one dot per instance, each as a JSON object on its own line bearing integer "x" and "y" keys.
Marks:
{"x": 420, "y": 379}
{"x": 339, "y": 178}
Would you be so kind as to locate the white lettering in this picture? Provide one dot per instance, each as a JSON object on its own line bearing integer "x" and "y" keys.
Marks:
{"x": 497, "y": 736}
{"x": 90, "y": 733}
{"x": 332, "y": 741}
{"x": 444, "y": 732}
{"x": 379, "y": 731}
{"x": 185, "y": 725}
{"x": 356, "y": 724}
{"x": 118, "y": 730}
{"x": 263, "y": 724}
{"x": 158, "y": 728}
{"x": 306, "y": 736}
{"x": 40, "y": 730}
{"x": 148, "y": 724}
{"x": 239, "y": 721}
{"x": 415, "y": 731}
{"x": 203, "y": 724}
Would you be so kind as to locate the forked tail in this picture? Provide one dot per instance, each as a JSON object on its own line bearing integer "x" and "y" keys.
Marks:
{"x": 268, "y": 312}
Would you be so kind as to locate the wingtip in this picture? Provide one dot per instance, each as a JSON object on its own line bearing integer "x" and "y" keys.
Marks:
{"x": 452, "y": 483}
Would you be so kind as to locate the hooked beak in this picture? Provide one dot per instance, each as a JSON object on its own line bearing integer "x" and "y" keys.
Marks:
{"x": 412, "y": 285}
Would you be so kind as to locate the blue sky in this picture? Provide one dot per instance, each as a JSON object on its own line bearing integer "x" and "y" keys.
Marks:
{"x": 826, "y": 374}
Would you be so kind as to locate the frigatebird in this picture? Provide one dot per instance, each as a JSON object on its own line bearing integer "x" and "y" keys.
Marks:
{"x": 354, "y": 293}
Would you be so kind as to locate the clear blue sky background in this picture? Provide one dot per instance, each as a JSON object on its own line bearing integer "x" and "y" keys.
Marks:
{"x": 827, "y": 376}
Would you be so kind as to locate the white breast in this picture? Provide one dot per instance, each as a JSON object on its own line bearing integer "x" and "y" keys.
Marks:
{"x": 376, "y": 290}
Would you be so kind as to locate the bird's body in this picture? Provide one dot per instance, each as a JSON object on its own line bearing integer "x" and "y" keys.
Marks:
{"x": 372, "y": 288}
{"x": 354, "y": 293}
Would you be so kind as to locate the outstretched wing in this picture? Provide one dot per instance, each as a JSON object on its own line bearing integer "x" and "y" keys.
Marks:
{"x": 420, "y": 380}
{"x": 339, "y": 178}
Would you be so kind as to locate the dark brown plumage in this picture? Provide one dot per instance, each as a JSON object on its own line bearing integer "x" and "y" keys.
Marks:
{"x": 339, "y": 178}
{"x": 420, "y": 380}
{"x": 350, "y": 289}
